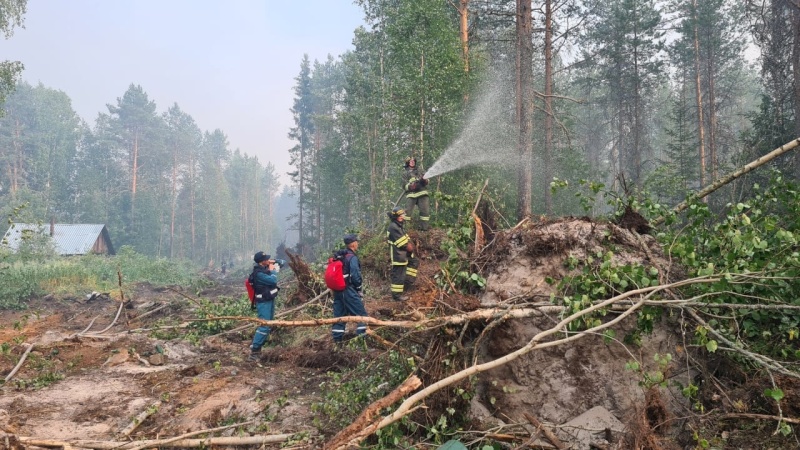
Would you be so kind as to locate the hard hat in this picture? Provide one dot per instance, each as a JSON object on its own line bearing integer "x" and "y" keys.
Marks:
{"x": 398, "y": 212}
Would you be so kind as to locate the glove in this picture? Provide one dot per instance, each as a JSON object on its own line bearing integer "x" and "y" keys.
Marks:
{"x": 413, "y": 186}
{"x": 424, "y": 182}
{"x": 409, "y": 247}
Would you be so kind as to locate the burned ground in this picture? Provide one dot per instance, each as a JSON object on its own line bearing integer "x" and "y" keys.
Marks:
{"x": 77, "y": 385}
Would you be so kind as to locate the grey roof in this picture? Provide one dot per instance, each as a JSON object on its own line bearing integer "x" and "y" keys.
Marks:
{"x": 68, "y": 239}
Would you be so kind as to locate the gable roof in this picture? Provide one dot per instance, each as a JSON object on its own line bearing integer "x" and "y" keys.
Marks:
{"x": 68, "y": 239}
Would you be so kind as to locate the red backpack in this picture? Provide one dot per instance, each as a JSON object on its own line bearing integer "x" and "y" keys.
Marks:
{"x": 251, "y": 292}
{"x": 335, "y": 278}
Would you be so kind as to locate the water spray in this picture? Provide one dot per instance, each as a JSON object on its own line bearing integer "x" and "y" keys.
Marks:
{"x": 487, "y": 139}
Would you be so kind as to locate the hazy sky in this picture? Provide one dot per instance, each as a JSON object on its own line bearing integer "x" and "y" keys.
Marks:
{"x": 230, "y": 64}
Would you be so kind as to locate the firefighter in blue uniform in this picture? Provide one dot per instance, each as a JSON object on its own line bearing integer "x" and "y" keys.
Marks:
{"x": 349, "y": 302}
{"x": 416, "y": 193}
{"x": 264, "y": 279}
{"x": 401, "y": 252}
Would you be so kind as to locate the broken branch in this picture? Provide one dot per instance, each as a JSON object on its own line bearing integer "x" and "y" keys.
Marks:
{"x": 19, "y": 364}
{"x": 547, "y": 433}
{"x": 115, "y": 445}
{"x": 732, "y": 176}
{"x": 363, "y": 424}
{"x": 141, "y": 417}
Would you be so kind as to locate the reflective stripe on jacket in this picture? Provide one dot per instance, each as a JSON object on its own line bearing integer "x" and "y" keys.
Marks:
{"x": 398, "y": 240}
{"x": 265, "y": 283}
{"x": 411, "y": 175}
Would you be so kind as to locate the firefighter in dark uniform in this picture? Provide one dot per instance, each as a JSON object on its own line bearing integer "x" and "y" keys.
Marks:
{"x": 401, "y": 251}
{"x": 264, "y": 279}
{"x": 349, "y": 302}
{"x": 416, "y": 193}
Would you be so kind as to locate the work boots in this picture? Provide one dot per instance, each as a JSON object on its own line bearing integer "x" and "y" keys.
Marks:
{"x": 255, "y": 355}
{"x": 399, "y": 297}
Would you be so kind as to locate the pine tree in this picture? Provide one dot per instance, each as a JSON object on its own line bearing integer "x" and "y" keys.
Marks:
{"x": 302, "y": 133}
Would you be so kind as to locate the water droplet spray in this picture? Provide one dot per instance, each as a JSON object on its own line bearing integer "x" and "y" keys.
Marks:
{"x": 488, "y": 138}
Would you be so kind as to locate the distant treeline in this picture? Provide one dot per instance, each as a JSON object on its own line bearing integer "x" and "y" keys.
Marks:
{"x": 156, "y": 180}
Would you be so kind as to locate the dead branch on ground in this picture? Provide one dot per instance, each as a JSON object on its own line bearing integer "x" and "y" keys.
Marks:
{"x": 164, "y": 442}
{"x": 19, "y": 364}
{"x": 152, "y": 311}
{"x": 535, "y": 343}
{"x": 141, "y": 417}
{"x": 759, "y": 417}
{"x": 547, "y": 433}
{"x": 767, "y": 363}
{"x": 480, "y": 314}
{"x": 360, "y": 427}
{"x": 193, "y": 443}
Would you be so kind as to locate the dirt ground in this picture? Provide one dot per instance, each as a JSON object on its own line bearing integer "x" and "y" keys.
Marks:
{"x": 108, "y": 380}
{"x": 78, "y": 383}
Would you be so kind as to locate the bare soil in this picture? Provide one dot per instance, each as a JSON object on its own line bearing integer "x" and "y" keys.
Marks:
{"x": 76, "y": 386}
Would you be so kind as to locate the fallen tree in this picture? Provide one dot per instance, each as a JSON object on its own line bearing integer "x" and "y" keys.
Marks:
{"x": 636, "y": 297}
{"x": 747, "y": 168}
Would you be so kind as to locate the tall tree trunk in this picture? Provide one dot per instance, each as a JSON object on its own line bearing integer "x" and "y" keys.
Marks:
{"x": 317, "y": 187}
{"x": 463, "y": 15}
{"x": 173, "y": 202}
{"x": 548, "y": 105}
{"x": 135, "y": 170}
{"x": 712, "y": 116}
{"x": 525, "y": 107}
{"x": 17, "y": 161}
{"x": 269, "y": 215}
{"x": 421, "y": 152}
{"x": 372, "y": 155}
{"x": 193, "y": 229}
{"x": 301, "y": 193}
{"x": 637, "y": 120}
{"x": 699, "y": 98}
{"x": 245, "y": 201}
{"x": 254, "y": 229}
{"x": 382, "y": 119}
{"x": 796, "y": 78}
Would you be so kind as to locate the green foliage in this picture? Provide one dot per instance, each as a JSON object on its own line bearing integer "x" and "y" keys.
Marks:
{"x": 12, "y": 14}
{"x": 657, "y": 377}
{"x": 456, "y": 270}
{"x": 452, "y": 445}
{"x": 756, "y": 239}
{"x": 224, "y": 306}
{"x": 21, "y": 278}
{"x": 600, "y": 279}
{"x": 45, "y": 371}
{"x": 345, "y": 394}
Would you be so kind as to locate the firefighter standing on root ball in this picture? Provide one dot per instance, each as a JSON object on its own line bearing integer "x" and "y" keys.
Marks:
{"x": 349, "y": 302}
{"x": 264, "y": 279}
{"x": 401, "y": 252}
{"x": 416, "y": 193}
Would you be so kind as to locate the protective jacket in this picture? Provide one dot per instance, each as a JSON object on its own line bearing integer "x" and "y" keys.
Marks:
{"x": 413, "y": 183}
{"x": 265, "y": 283}
{"x": 351, "y": 268}
{"x": 349, "y": 302}
{"x": 398, "y": 241}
